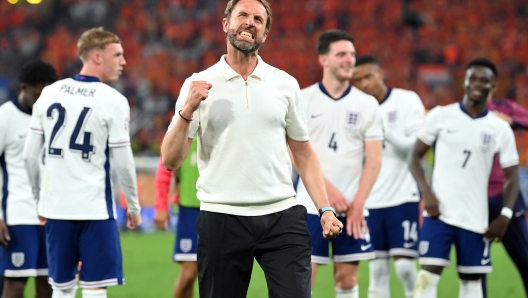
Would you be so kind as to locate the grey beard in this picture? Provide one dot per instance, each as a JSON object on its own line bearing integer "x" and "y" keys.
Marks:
{"x": 243, "y": 46}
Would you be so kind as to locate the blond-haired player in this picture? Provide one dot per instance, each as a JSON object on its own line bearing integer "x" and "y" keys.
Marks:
{"x": 80, "y": 122}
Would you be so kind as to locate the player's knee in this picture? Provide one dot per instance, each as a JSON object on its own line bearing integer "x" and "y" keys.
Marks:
{"x": 405, "y": 269}
{"x": 64, "y": 293}
{"x": 345, "y": 280}
{"x": 189, "y": 272}
{"x": 15, "y": 287}
{"x": 379, "y": 271}
{"x": 94, "y": 293}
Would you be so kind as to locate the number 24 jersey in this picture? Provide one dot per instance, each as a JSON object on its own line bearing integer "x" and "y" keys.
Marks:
{"x": 464, "y": 151}
{"x": 80, "y": 119}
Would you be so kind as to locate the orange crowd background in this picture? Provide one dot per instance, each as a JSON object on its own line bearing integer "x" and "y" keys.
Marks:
{"x": 165, "y": 41}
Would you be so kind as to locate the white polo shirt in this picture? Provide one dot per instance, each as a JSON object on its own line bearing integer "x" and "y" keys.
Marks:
{"x": 464, "y": 152}
{"x": 243, "y": 156}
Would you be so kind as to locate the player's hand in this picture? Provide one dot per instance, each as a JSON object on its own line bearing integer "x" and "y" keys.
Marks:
{"x": 331, "y": 225}
{"x": 356, "y": 224}
{"x": 4, "y": 234}
{"x": 497, "y": 228}
{"x": 336, "y": 198}
{"x": 198, "y": 92}
{"x": 505, "y": 118}
{"x": 431, "y": 204}
{"x": 134, "y": 221}
{"x": 43, "y": 220}
{"x": 161, "y": 218}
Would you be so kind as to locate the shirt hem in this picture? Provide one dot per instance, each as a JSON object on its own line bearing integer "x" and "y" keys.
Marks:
{"x": 249, "y": 210}
{"x": 463, "y": 227}
{"x": 389, "y": 205}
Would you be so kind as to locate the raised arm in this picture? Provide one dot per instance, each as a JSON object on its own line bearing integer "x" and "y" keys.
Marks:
{"x": 176, "y": 143}
{"x": 307, "y": 164}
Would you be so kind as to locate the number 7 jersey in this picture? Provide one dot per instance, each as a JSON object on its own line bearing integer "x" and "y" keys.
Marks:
{"x": 338, "y": 131}
{"x": 464, "y": 151}
{"x": 80, "y": 119}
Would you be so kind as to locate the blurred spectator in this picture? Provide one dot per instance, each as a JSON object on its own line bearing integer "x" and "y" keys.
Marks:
{"x": 167, "y": 40}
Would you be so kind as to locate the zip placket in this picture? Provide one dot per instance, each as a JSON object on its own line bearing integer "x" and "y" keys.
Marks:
{"x": 248, "y": 96}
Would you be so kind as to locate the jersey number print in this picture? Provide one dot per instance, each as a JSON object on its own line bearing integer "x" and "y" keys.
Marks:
{"x": 85, "y": 148}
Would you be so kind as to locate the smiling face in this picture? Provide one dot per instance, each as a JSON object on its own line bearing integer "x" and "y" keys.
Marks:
{"x": 246, "y": 26}
{"x": 479, "y": 83}
{"x": 339, "y": 60}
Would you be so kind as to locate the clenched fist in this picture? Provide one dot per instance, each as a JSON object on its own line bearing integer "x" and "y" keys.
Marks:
{"x": 198, "y": 92}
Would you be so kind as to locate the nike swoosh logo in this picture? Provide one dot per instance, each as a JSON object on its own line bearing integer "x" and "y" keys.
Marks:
{"x": 365, "y": 247}
{"x": 451, "y": 131}
{"x": 409, "y": 245}
{"x": 484, "y": 261}
{"x": 315, "y": 116}
{"x": 520, "y": 213}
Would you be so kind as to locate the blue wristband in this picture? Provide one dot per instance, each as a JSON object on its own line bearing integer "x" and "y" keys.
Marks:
{"x": 327, "y": 208}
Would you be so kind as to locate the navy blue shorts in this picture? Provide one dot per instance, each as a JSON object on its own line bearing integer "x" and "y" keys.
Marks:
{"x": 186, "y": 244}
{"x": 472, "y": 249}
{"x": 25, "y": 254}
{"x": 94, "y": 243}
{"x": 344, "y": 248}
{"x": 394, "y": 230}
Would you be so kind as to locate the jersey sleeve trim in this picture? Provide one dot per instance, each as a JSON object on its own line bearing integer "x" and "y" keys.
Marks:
{"x": 304, "y": 138}
{"x": 510, "y": 163}
{"x": 412, "y": 127}
{"x": 425, "y": 140}
{"x": 118, "y": 144}
{"x": 36, "y": 130}
{"x": 374, "y": 138}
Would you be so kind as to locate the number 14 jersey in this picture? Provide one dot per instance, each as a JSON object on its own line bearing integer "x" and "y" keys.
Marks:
{"x": 80, "y": 119}
{"x": 464, "y": 151}
{"x": 338, "y": 131}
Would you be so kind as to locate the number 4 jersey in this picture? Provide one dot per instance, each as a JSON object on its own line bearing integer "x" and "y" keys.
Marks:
{"x": 81, "y": 119}
{"x": 338, "y": 131}
{"x": 464, "y": 151}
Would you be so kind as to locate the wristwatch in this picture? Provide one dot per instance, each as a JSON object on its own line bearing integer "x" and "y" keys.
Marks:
{"x": 327, "y": 208}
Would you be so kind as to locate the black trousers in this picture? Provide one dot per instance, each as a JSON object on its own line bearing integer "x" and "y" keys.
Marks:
{"x": 228, "y": 244}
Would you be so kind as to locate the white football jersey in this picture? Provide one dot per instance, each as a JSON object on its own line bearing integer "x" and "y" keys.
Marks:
{"x": 81, "y": 119}
{"x": 464, "y": 150}
{"x": 338, "y": 131}
{"x": 19, "y": 206}
{"x": 403, "y": 114}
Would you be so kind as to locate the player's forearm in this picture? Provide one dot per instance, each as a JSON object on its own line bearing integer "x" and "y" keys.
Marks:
{"x": 175, "y": 146}
{"x": 126, "y": 174}
{"x": 162, "y": 182}
{"x": 31, "y": 156}
{"x": 511, "y": 186}
{"x": 312, "y": 177}
{"x": 415, "y": 165}
{"x": 368, "y": 178}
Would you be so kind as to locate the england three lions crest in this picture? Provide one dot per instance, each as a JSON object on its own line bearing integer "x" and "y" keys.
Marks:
{"x": 392, "y": 117}
{"x": 186, "y": 245}
{"x": 352, "y": 118}
{"x": 486, "y": 140}
{"x": 17, "y": 258}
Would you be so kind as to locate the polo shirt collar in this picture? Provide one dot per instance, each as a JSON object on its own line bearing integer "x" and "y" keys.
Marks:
{"x": 229, "y": 73}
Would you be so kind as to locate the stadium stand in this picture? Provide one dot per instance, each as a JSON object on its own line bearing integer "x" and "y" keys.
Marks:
{"x": 166, "y": 40}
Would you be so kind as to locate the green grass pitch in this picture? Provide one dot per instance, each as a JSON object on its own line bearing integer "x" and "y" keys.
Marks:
{"x": 150, "y": 273}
